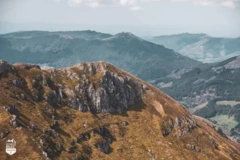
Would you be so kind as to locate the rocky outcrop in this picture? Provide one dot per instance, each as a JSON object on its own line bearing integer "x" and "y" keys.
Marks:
{"x": 5, "y": 67}
{"x": 26, "y": 66}
{"x": 103, "y": 91}
{"x": 213, "y": 142}
{"x": 193, "y": 147}
{"x": 14, "y": 121}
{"x": 181, "y": 126}
{"x": 18, "y": 82}
{"x": 103, "y": 146}
{"x": 4, "y": 133}
{"x": 11, "y": 109}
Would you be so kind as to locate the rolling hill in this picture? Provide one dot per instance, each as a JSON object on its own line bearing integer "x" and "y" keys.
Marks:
{"x": 141, "y": 58}
{"x": 201, "y": 47}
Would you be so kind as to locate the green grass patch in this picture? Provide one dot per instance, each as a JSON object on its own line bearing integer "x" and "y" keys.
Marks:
{"x": 225, "y": 122}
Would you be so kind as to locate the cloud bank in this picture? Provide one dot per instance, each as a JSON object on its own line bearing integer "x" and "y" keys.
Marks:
{"x": 134, "y": 5}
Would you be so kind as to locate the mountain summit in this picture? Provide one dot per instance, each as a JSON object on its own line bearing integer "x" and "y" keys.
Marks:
{"x": 95, "y": 110}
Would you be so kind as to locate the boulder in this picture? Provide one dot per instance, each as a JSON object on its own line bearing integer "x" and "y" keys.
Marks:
{"x": 4, "y": 133}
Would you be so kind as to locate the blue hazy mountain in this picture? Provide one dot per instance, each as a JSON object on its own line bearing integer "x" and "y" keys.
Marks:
{"x": 62, "y": 49}
{"x": 201, "y": 47}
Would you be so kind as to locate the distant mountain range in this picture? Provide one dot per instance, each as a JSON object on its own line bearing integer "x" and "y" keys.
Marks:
{"x": 61, "y": 49}
{"x": 201, "y": 47}
{"x": 205, "y": 89}
{"x": 211, "y": 91}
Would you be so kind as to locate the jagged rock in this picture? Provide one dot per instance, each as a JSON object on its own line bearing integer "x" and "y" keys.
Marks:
{"x": 213, "y": 142}
{"x": 124, "y": 123}
{"x": 11, "y": 109}
{"x": 38, "y": 78}
{"x": 49, "y": 132}
{"x": 177, "y": 122}
{"x": 45, "y": 153}
{"x": 23, "y": 97}
{"x": 42, "y": 142}
{"x": 36, "y": 97}
{"x": 219, "y": 130}
{"x": 5, "y": 67}
{"x": 47, "y": 81}
{"x": 71, "y": 149}
{"x": 145, "y": 87}
{"x": 103, "y": 146}
{"x": 53, "y": 97}
{"x": 60, "y": 91}
{"x": 84, "y": 136}
{"x": 3, "y": 134}
{"x": 167, "y": 126}
{"x": 53, "y": 117}
{"x": 73, "y": 142}
{"x": 184, "y": 125}
{"x": 55, "y": 125}
{"x": 59, "y": 146}
{"x": 33, "y": 127}
{"x": 79, "y": 104}
{"x": 193, "y": 147}
{"x": 115, "y": 95}
{"x": 18, "y": 82}
{"x": 14, "y": 121}
{"x": 36, "y": 84}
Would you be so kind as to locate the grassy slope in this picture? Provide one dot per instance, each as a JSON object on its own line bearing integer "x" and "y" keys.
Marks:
{"x": 141, "y": 139}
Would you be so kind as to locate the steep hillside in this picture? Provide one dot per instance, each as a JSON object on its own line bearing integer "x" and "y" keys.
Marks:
{"x": 62, "y": 49}
{"x": 201, "y": 47}
{"x": 97, "y": 111}
{"x": 212, "y": 91}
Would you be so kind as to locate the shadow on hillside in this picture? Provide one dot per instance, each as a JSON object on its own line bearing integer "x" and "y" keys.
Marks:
{"x": 137, "y": 108}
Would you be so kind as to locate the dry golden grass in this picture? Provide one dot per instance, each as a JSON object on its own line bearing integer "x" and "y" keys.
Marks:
{"x": 141, "y": 139}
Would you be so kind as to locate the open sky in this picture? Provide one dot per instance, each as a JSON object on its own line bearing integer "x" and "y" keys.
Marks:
{"x": 219, "y": 18}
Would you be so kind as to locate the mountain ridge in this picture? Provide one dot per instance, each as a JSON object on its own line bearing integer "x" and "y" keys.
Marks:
{"x": 82, "y": 112}
{"x": 210, "y": 91}
{"x": 200, "y": 46}
{"x": 124, "y": 50}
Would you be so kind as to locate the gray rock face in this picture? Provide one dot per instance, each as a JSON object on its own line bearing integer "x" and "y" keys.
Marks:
{"x": 4, "y": 134}
{"x": 181, "y": 126}
{"x": 53, "y": 97}
{"x": 103, "y": 146}
{"x": 14, "y": 121}
{"x": 108, "y": 93}
{"x": 213, "y": 142}
{"x": 18, "y": 82}
{"x": 115, "y": 95}
{"x": 4, "y": 67}
{"x": 193, "y": 147}
{"x": 11, "y": 109}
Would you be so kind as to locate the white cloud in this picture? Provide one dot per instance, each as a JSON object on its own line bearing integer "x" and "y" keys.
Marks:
{"x": 129, "y": 2}
{"x": 134, "y": 4}
{"x": 74, "y": 3}
{"x": 93, "y": 3}
{"x": 225, "y": 3}
{"x": 136, "y": 8}
{"x": 229, "y": 4}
